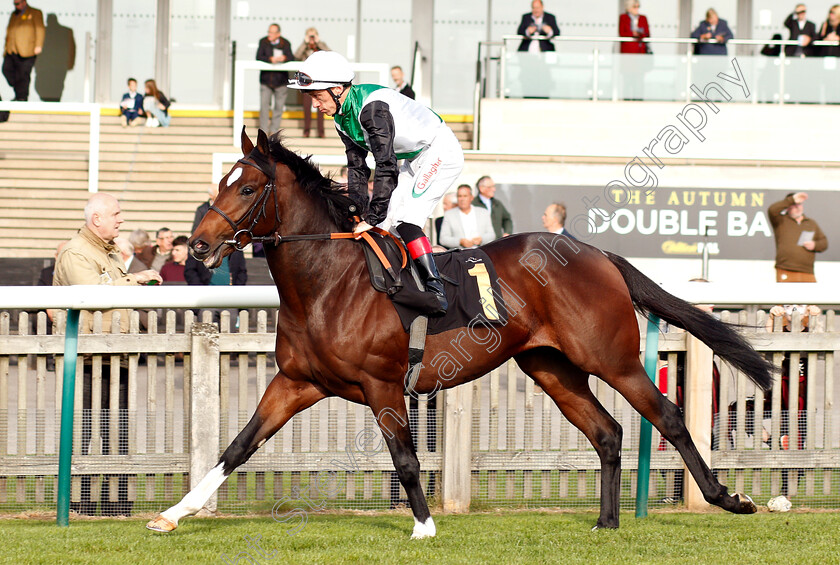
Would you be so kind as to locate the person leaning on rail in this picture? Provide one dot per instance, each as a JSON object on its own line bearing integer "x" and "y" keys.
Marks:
{"x": 91, "y": 257}
{"x": 538, "y": 23}
{"x": 633, "y": 24}
{"x": 712, "y": 29}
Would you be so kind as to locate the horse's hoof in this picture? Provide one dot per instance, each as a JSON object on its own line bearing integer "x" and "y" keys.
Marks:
{"x": 161, "y": 524}
{"x": 745, "y": 504}
{"x": 597, "y": 527}
{"x": 424, "y": 530}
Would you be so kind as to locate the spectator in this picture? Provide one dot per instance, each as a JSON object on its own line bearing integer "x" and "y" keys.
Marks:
{"x": 499, "y": 215}
{"x": 311, "y": 44}
{"x": 342, "y": 175}
{"x": 155, "y": 106}
{"x": 400, "y": 85}
{"x": 798, "y": 239}
{"x": 801, "y": 30}
{"x": 554, "y": 218}
{"x": 679, "y": 374}
{"x": 212, "y": 193}
{"x": 273, "y": 49}
{"x": 711, "y": 29}
{"x": 132, "y": 263}
{"x": 538, "y": 22}
{"x": 632, "y": 24}
{"x": 91, "y": 257}
{"x": 772, "y": 50}
{"x": 467, "y": 225}
{"x": 173, "y": 271}
{"x": 24, "y": 41}
{"x": 142, "y": 246}
{"x": 830, "y": 32}
{"x": 163, "y": 249}
{"x": 46, "y": 279}
{"x": 448, "y": 203}
{"x": 232, "y": 271}
{"x": 131, "y": 105}
{"x": 786, "y": 314}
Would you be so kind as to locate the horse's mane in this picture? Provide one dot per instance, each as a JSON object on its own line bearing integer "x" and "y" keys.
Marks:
{"x": 340, "y": 204}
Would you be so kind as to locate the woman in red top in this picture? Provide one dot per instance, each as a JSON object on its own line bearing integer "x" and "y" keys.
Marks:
{"x": 632, "y": 24}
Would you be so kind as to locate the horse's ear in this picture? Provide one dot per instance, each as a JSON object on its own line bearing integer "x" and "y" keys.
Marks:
{"x": 247, "y": 145}
{"x": 262, "y": 143}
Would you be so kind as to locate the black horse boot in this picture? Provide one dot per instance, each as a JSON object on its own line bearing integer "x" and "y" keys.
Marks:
{"x": 420, "y": 250}
{"x": 431, "y": 279}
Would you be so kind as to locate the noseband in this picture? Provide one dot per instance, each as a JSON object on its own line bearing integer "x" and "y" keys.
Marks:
{"x": 243, "y": 236}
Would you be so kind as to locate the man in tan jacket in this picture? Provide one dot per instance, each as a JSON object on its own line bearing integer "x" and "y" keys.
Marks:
{"x": 24, "y": 41}
{"x": 798, "y": 239}
{"x": 92, "y": 258}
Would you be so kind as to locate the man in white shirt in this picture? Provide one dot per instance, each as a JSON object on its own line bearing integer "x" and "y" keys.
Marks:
{"x": 553, "y": 219}
{"x": 467, "y": 225}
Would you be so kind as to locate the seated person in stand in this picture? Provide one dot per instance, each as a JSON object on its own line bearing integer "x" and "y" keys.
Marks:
{"x": 131, "y": 106}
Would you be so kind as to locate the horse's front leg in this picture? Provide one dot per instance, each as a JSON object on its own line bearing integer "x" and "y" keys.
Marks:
{"x": 282, "y": 399}
{"x": 388, "y": 407}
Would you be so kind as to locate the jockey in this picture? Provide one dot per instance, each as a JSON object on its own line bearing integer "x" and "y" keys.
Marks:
{"x": 393, "y": 127}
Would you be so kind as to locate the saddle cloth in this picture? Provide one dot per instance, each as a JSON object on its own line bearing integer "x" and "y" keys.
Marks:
{"x": 469, "y": 280}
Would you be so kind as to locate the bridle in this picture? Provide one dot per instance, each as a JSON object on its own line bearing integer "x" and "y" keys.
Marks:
{"x": 244, "y": 236}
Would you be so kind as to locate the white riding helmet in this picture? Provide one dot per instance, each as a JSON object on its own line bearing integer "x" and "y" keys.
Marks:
{"x": 322, "y": 70}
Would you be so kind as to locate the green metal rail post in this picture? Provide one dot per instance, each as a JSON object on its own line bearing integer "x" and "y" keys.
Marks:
{"x": 68, "y": 390}
{"x": 643, "y": 475}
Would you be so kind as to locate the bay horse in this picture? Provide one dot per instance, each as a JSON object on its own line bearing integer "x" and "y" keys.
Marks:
{"x": 337, "y": 336}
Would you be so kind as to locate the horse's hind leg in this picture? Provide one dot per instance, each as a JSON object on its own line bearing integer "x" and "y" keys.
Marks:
{"x": 568, "y": 386}
{"x": 633, "y": 384}
{"x": 388, "y": 406}
{"x": 282, "y": 399}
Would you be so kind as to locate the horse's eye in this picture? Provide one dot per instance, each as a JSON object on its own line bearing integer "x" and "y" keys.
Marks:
{"x": 247, "y": 190}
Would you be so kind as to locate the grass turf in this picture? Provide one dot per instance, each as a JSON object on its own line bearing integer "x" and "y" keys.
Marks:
{"x": 505, "y": 537}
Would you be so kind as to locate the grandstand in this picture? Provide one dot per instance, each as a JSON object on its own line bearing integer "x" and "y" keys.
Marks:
{"x": 582, "y": 130}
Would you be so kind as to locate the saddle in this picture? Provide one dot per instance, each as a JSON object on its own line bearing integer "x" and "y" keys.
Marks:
{"x": 470, "y": 282}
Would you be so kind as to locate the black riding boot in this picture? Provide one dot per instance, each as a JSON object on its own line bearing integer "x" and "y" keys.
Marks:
{"x": 431, "y": 279}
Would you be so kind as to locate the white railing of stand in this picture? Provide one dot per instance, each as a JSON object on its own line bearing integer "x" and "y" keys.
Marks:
{"x": 93, "y": 110}
{"x": 103, "y": 297}
{"x": 221, "y": 159}
{"x": 250, "y": 65}
{"x": 87, "y": 88}
{"x": 688, "y": 41}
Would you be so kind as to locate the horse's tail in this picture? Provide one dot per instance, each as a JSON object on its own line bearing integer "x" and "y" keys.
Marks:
{"x": 649, "y": 297}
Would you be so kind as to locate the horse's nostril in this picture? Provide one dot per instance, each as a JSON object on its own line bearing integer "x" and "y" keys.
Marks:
{"x": 200, "y": 246}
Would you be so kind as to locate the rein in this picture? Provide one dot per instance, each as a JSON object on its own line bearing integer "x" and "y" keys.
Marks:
{"x": 244, "y": 236}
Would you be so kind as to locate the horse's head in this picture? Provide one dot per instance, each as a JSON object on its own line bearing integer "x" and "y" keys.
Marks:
{"x": 246, "y": 207}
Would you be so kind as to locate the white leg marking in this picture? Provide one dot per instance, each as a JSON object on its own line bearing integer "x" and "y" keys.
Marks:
{"x": 422, "y": 530}
{"x": 195, "y": 499}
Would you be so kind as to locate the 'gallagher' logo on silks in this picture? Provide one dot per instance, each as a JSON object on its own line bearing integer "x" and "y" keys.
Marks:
{"x": 421, "y": 186}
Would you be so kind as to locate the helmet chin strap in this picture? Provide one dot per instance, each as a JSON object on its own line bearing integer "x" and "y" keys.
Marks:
{"x": 337, "y": 99}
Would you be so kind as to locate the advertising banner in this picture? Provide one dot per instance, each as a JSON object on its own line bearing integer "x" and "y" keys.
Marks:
{"x": 668, "y": 222}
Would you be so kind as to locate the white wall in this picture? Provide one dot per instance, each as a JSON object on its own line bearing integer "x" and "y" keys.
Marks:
{"x": 624, "y": 129}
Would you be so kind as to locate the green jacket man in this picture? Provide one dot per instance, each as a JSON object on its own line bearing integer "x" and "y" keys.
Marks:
{"x": 499, "y": 215}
